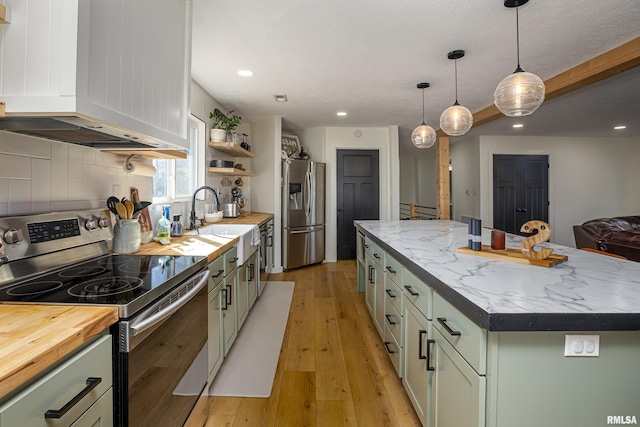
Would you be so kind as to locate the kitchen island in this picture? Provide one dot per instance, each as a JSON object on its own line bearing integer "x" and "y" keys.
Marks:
{"x": 497, "y": 343}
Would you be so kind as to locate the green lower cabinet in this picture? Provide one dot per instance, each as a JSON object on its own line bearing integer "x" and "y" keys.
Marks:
{"x": 417, "y": 377}
{"x": 458, "y": 391}
{"x": 530, "y": 383}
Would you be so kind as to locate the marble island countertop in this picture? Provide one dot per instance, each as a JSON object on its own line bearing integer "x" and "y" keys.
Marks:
{"x": 588, "y": 292}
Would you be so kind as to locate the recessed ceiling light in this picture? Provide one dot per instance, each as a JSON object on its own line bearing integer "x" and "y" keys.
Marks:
{"x": 620, "y": 127}
{"x": 245, "y": 73}
{"x": 280, "y": 98}
{"x": 342, "y": 113}
{"x": 518, "y": 125}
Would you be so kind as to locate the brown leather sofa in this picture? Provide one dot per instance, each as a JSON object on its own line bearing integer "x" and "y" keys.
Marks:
{"x": 617, "y": 235}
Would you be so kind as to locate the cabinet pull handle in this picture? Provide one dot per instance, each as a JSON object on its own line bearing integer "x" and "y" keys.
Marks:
{"x": 390, "y": 293}
{"x": 233, "y": 260}
{"x": 411, "y": 291}
{"x": 224, "y": 298}
{"x": 391, "y": 270}
{"x": 421, "y": 356}
{"x": 389, "y": 316}
{"x": 229, "y": 294}
{"x": 429, "y": 344}
{"x": 443, "y": 322}
{"x": 386, "y": 344}
{"x": 219, "y": 273}
{"x": 92, "y": 382}
{"x": 371, "y": 271}
{"x": 376, "y": 256}
{"x": 366, "y": 246}
{"x": 251, "y": 272}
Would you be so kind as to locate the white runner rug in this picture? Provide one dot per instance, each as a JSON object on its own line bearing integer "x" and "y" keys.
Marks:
{"x": 250, "y": 366}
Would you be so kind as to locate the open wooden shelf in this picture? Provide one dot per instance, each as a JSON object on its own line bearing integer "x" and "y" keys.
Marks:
{"x": 231, "y": 148}
{"x": 231, "y": 171}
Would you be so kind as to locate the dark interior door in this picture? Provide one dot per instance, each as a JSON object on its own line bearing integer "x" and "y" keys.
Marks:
{"x": 520, "y": 190}
{"x": 358, "y": 193}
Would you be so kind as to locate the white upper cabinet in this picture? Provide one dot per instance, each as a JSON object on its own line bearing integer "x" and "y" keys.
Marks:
{"x": 125, "y": 63}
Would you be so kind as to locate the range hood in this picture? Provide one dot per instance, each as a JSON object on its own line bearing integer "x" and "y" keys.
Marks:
{"x": 80, "y": 131}
{"x": 105, "y": 74}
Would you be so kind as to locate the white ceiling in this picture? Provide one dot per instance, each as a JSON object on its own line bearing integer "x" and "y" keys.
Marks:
{"x": 365, "y": 57}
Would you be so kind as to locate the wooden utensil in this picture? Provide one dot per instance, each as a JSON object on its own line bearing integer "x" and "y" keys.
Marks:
{"x": 128, "y": 204}
{"x": 122, "y": 211}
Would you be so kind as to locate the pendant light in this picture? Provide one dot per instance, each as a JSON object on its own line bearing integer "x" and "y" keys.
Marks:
{"x": 423, "y": 136}
{"x": 520, "y": 93}
{"x": 457, "y": 119}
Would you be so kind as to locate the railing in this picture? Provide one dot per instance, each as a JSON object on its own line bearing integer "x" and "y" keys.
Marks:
{"x": 415, "y": 211}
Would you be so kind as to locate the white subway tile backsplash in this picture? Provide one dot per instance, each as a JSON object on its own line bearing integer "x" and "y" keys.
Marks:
{"x": 19, "y": 196}
{"x": 76, "y": 160}
{"x": 4, "y": 191}
{"x": 38, "y": 175}
{"x": 40, "y": 181}
{"x": 25, "y": 145}
{"x": 15, "y": 167}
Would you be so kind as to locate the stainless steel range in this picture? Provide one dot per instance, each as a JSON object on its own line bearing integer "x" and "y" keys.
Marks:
{"x": 161, "y": 338}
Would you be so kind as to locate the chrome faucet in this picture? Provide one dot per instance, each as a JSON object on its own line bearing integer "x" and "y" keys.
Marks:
{"x": 192, "y": 216}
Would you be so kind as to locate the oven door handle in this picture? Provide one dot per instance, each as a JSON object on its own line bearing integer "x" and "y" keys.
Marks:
{"x": 142, "y": 325}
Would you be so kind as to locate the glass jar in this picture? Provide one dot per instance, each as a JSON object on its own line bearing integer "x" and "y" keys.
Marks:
{"x": 126, "y": 236}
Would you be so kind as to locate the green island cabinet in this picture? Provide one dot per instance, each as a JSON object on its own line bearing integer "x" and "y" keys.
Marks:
{"x": 458, "y": 374}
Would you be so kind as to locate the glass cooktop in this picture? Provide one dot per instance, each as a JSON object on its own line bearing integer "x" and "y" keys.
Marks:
{"x": 129, "y": 281}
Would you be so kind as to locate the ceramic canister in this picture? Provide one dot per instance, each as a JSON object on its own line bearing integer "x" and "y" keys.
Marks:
{"x": 126, "y": 236}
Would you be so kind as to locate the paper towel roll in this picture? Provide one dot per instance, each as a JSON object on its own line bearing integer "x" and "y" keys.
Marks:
{"x": 139, "y": 168}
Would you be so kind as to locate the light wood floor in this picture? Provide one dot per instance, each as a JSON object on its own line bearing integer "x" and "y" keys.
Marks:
{"x": 333, "y": 369}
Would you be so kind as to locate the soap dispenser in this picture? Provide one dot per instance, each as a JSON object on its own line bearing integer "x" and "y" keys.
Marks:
{"x": 164, "y": 226}
{"x": 176, "y": 226}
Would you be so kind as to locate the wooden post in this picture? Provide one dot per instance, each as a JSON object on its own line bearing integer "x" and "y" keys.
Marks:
{"x": 443, "y": 210}
{"x": 413, "y": 211}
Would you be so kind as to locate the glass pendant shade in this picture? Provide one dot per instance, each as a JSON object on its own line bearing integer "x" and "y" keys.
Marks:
{"x": 456, "y": 120}
{"x": 519, "y": 94}
{"x": 423, "y": 136}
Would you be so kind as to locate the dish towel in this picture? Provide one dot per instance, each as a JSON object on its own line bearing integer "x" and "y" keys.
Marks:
{"x": 255, "y": 236}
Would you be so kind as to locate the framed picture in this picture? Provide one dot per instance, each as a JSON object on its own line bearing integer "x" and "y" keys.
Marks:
{"x": 290, "y": 146}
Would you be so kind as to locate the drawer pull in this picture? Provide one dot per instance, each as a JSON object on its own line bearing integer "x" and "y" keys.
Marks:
{"x": 421, "y": 356}
{"x": 233, "y": 260}
{"x": 391, "y": 270}
{"x": 443, "y": 322}
{"x": 386, "y": 344}
{"x": 390, "y": 293}
{"x": 411, "y": 291}
{"x": 429, "y": 344}
{"x": 389, "y": 317}
{"x": 92, "y": 383}
{"x": 217, "y": 275}
{"x": 376, "y": 256}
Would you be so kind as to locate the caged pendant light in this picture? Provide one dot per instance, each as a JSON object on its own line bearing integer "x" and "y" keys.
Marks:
{"x": 423, "y": 136}
{"x": 520, "y": 93}
{"x": 457, "y": 119}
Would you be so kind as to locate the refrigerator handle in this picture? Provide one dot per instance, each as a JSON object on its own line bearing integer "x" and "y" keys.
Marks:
{"x": 308, "y": 201}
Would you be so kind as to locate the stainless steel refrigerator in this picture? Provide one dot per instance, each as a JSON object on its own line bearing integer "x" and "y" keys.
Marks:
{"x": 303, "y": 226}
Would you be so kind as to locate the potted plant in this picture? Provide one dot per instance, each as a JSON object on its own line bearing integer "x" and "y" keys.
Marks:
{"x": 222, "y": 126}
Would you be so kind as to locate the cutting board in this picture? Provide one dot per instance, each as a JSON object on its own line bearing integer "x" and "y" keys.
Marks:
{"x": 514, "y": 255}
{"x": 145, "y": 217}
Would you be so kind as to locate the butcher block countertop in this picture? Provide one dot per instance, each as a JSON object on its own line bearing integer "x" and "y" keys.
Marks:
{"x": 199, "y": 245}
{"x": 257, "y": 218}
{"x": 33, "y": 337}
{"x": 204, "y": 244}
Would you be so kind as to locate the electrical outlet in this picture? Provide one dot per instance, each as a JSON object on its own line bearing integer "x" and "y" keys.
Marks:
{"x": 582, "y": 345}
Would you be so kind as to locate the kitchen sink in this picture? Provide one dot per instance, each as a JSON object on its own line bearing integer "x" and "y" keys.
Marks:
{"x": 243, "y": 231}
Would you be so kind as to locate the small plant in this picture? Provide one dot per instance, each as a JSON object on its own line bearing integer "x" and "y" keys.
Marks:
{"x": 220, "y": 121}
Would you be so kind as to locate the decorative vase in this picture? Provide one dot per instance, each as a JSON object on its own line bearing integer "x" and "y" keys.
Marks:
{"x": 218, "y": 135}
